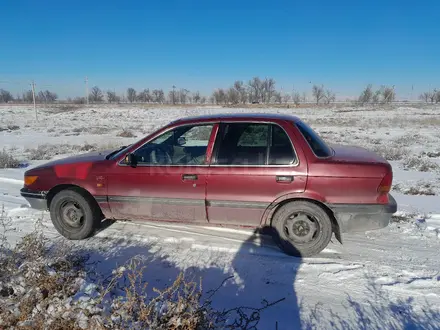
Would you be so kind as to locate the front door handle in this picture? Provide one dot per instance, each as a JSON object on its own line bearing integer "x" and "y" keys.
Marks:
{"x": 189, "y": 177}
{"x": 284, "y": 178}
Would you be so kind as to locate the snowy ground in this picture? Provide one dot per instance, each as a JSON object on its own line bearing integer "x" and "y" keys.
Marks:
{"x": 388, "y": 278}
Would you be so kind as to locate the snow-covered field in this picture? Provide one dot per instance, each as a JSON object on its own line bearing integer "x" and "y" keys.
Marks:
{"x": 382, "y": 279}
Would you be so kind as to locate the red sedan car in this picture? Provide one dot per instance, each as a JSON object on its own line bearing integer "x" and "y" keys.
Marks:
{"x": 252, "y": 170}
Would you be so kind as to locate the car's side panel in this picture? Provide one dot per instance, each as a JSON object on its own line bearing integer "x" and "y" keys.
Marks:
{"x": 157, "y": 193}
{"x": 240, "y": 195}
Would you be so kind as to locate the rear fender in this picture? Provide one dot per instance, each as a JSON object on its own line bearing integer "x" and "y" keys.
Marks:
{"x": 309, "y": 196}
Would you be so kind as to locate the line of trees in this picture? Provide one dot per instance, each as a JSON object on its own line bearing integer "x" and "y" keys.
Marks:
{"x": 254, "y": 91}
{"x": 385, "y": 94}
{"x": 264, "y": 91}
{"x": 431, "y": 96}
{"x": 27, "y": 97}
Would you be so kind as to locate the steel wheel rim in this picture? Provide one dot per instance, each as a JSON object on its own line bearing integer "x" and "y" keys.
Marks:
{"x": 72, "y": 214}
{"x": 301, "y": 228}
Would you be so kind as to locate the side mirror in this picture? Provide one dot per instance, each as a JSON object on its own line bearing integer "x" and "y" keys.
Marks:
{"x": 181, "y": 141}
{"x": 130, "y": 159}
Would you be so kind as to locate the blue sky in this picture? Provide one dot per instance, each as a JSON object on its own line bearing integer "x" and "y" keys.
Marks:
{"x": 201, "y": 45}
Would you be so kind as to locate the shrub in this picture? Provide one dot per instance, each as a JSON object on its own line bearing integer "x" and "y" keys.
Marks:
{"x": 420, "y": 164}
{"x": 7, "y": 160}
{"x": 126, "y": 133}
{"x": 391, "y": 152}
{"x": 48, "y": 151}
{"x": 45, "y": 285}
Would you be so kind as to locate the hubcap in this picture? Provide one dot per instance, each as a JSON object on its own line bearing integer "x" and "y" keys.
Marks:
{"x": 301, "y": 228}
{"x": 72, "y": 214}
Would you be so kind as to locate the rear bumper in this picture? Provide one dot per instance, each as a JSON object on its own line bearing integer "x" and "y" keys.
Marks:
{"x": 363, "y": 217}
{"x": 37, "y": 199}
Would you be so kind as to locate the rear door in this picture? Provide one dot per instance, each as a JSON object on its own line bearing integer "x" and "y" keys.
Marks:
{"x": 169, "y": 180}
{"x": 253, "y": 163}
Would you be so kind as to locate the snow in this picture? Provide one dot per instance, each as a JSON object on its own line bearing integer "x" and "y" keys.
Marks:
{"x": 389, "y": 277}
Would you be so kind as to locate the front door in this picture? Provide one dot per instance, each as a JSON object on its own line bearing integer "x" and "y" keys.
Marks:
{"x": 252, "y": 165}
{"x": 169, "y": 180}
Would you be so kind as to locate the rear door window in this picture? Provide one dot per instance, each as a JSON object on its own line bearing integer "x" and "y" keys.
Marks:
{"x": 253, "y": 144}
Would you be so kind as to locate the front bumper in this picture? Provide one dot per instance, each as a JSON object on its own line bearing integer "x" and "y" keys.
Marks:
{"x": 363, "y": 217}
{"x": 37, "y": 199}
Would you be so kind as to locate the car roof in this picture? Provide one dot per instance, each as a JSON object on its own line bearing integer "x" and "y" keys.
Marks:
{"x": 236, "y": 116}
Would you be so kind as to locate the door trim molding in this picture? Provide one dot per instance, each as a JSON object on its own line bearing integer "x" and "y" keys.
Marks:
{"x": 156, "y": 200}
{"x": 237, "y": 204}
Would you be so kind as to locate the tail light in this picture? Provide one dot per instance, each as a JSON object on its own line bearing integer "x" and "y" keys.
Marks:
{"x": 384, "y": 188}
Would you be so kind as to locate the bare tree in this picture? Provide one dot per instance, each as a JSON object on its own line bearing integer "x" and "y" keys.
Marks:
{"x": 426, "y": 96}
{"x": 203, "y": 100}
{"x": 432, "y": 96}
{"x": 144, "y": 96}
{"x": 112, "y": 97}
{"x": 96, "y": 95}
{"x": 196, "y": 97}
{"x": 172, "y": 95}
{"x": 241, "y": 90}
{"x": 79, "y": 100}
{"x": 27, "y": 97}
{"x": 376, "y": 96}
{"x": 276, "y": 96}
{"x": 318, "y": 93}
{"x": 286, "y": 98}
{"x": 329, "y": 96}
{"x": 158, "y": 96}
{"x": 255, "y": 88}
{"x": 267, "y": 90}
{"x": 5, "y": 96}
{"x": 233, "y": 96}
{"x": 388, "y": 94}
{"x": 50, "y": 96}
{"x": 183, "y": 95}
{"x": 131, "y": 95}
{"x": 296, "y": 98}
{"x": 46, "y": 96}
{"x": 219, "y": 96}
{"x": 304, "y": 97}
{"x": 366, "y": 95}
{"x": 41, "y": 97}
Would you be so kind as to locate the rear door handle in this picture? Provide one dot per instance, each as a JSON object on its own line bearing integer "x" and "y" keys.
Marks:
{"x": 189, "y": 177}
{"x": 284, "y": 178}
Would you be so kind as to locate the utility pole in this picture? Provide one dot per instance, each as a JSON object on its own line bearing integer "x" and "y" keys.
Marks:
{"x": 87, "y": 90}
{"x": 33, "y": 97}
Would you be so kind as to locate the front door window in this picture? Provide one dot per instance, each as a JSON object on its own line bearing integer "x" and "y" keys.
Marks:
{"x": 184, "y": 145}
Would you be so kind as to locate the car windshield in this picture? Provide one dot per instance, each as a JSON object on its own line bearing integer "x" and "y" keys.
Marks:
{"x": 318, "y": 146}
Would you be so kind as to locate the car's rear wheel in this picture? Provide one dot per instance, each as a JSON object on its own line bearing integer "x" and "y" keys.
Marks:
{"x": 73, "y": 214}
{"x": 302, "y": 228}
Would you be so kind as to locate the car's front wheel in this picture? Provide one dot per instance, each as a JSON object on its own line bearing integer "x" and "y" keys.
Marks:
{"x": 73, "y": 214}
{"x": 302, "y": 228}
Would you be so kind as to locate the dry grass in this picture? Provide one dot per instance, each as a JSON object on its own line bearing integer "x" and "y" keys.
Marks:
{"x": 7, "y": 160}
{"x": 41, "y": 285}
{"x": 420, "y": 164}
{"x": 48, "y": 151}
{"x": 391, "y": 152}
{"x": 422, "y": 189}
{"x": 126, "y": 133}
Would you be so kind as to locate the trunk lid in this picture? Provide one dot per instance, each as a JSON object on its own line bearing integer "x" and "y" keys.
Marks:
{"x": 354, "y": 154}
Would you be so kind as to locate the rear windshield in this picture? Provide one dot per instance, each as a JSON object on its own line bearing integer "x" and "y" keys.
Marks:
{"x": 318, "y": 146}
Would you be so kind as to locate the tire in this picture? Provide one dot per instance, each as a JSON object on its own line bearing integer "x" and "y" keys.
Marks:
{"x": 302, "y": 228}
{"x": 74, "y": 215}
